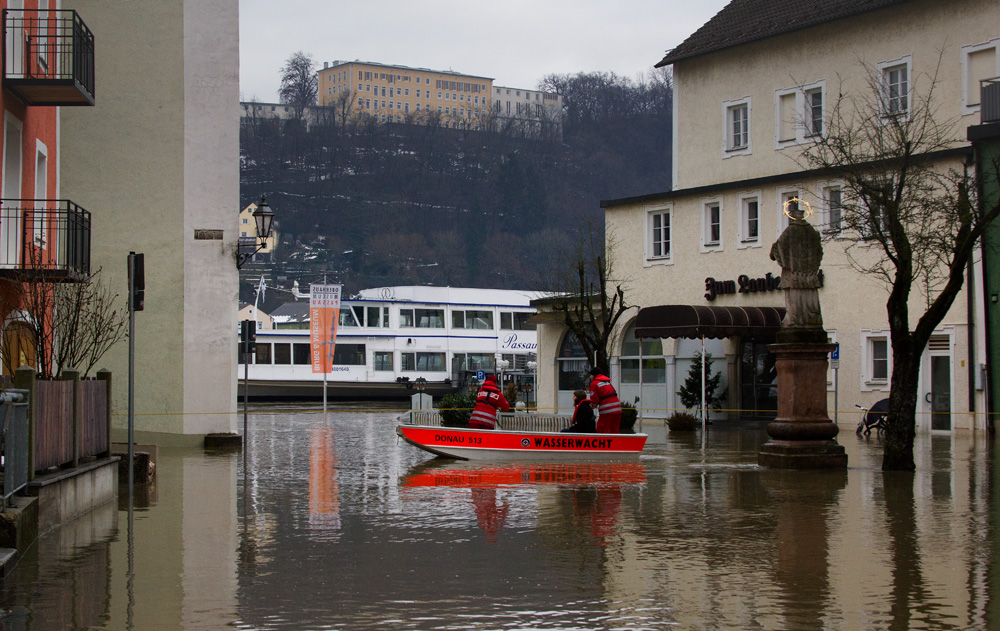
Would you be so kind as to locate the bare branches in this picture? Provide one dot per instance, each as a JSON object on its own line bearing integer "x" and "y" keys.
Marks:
{"x": 299, "y": 83}
{"x": 592, "y": 299}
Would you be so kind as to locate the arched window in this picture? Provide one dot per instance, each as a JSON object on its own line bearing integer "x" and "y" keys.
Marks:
{"x": 574, "y": 366}
{"x": 653, "y": 364}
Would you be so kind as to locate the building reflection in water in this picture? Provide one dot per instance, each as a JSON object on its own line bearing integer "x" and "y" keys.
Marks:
{"x": 340, "y": 526}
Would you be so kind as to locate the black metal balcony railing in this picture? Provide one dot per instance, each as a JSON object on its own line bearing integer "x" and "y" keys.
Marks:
{"x": 989, "y": 97}
{"x": 44, "y": 238}
{"x": 48, "y": 57}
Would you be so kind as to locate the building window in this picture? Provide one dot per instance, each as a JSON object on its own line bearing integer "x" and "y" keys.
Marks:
{"x": 382, "y": 361}
{"x": 833, "y": 209}
{"x": 814, "y": 112}
{"x": 749, "y": 220}
{"x": 895, "y": 86}
{"x": 785, "y": 197}
{"x": 876, "y": 360}
{"x": 738, "y": 126}
{"x": 711, "y": 234}
{"x": 979, "y": 61}
{"x": 798, "y": 113}
{"x": 658, "y": 235}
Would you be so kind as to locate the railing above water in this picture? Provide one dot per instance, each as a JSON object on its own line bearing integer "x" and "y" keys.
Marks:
{"x": 515, "y": 421}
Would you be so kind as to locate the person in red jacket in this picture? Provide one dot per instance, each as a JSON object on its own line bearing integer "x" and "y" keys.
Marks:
{"x": 583, "y": 415}
{"x": 604, "y": 398}
{"x": 489, "y": 400}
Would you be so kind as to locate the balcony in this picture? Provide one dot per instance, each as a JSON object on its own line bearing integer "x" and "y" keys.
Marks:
{"x": 44, "y": 239}
{"x": 989, "y": 96}
{"x": 48, "y": 57}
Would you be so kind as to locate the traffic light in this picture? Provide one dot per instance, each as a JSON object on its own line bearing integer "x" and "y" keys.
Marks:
{"x": 136, "y": 281}
{"x": 249, "y": 334}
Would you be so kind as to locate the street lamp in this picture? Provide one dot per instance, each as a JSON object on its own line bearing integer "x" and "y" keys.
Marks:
{"x": 263, "y": 217}
{"x": 532, "y": 366}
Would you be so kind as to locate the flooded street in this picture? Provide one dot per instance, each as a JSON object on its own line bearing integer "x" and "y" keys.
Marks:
{"x": 338, "y": 525}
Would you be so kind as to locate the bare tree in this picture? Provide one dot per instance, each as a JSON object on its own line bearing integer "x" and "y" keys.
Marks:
{"x": 89, "y": 319}
{"x": 299, "y": 83}
{"x": 71, "y": 324}
{"x": 591, "y": 299}
{"x": 910, "y": 202}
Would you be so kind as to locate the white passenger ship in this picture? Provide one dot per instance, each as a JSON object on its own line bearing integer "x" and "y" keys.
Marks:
{"x": 390, "y": 337}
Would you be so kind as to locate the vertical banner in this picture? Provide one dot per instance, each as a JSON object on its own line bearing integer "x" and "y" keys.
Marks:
{"x": 324, "y": 313}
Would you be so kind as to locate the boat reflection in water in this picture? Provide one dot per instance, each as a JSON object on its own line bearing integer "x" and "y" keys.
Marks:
{"x": 596, "y": 488}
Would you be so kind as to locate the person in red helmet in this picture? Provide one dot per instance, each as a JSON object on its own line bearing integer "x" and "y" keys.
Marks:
{"x": 489, "y": 400}
{"x": 604, "y": 399}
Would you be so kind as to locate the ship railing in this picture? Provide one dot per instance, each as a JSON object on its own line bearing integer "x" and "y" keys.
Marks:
{"x": 517, "y": 422}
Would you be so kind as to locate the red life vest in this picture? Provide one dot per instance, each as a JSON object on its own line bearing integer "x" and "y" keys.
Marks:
{"x": 489, "y": 399}
{"x": 603, "y": 394}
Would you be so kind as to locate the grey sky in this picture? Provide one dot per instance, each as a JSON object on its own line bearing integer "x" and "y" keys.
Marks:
{"x": 516, "y": 42}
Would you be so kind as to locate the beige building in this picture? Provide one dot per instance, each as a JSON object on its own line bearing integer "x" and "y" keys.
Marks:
{"x": 350, "y": 90}
{"x": 401, "y": 94}
{"x": 159, "y": 156}
{"x": 751, "y": 90}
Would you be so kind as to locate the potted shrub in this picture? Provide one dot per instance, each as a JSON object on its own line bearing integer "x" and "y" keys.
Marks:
{"x": 456, "y": 408}
{"x": 683, "y": 422}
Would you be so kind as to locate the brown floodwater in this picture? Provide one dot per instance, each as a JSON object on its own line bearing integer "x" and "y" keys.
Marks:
{"x": 338, "y": 525}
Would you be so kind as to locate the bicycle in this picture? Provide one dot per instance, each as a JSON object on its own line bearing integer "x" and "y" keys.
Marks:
{"x": 873, "y": 417}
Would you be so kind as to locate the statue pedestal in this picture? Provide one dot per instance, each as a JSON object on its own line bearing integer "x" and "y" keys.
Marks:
{"x": 802, "y": 436}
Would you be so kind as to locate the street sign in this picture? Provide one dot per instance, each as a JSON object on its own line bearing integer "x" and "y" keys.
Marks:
{"x": 835, "y": 353}
{"x": 480, "y": 375}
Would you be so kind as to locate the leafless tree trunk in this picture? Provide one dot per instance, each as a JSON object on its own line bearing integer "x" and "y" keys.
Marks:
{"x": 913, "y": 216}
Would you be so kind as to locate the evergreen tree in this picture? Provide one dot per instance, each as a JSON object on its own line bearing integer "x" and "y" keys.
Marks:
{"x": 690, "y": 392}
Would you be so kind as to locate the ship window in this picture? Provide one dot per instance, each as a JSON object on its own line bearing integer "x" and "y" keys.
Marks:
{"x": 347, "y": 318}
{"x": 480, "y": 361}
{"x": 263, "y": 353}
{"x": 429, "y": 318}
{"x": 405, "y": 317}
{"x": 282, "y": 353}
{"x": 426, "y": 362}
{"x": 472, "y": 320}
{"x": 349, "y": 354}
{"x": 382, "y": 360}
{"x": 516, "y": 321}
{"x": 300, "y": 354}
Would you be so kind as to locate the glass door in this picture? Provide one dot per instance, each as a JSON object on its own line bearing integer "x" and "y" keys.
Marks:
{"x": 758, "y": 382}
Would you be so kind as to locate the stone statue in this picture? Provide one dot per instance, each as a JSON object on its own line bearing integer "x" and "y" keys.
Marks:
{"x": 799, "y": 252}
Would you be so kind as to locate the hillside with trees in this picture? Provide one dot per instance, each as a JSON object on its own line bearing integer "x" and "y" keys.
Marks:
{"x": 369, "y": 204}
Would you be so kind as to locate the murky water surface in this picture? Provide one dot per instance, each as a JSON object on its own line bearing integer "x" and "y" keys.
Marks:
{"x": 337, "y": 525}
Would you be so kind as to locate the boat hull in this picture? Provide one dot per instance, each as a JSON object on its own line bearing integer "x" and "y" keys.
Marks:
{"x": 478, "y": 444}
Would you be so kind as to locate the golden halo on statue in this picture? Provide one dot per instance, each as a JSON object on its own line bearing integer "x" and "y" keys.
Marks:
{"x": 801, "y": 203}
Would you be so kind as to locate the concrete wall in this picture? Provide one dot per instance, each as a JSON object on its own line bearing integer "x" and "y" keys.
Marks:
{"x": 155, "y": 160}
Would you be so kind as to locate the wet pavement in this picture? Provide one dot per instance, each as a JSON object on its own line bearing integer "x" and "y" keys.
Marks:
{"x": 339, "y": 525}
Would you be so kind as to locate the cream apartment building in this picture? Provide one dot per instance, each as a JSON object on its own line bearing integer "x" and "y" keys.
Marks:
{"x": 402, "y": 94}
{"x": 751, "y": 89}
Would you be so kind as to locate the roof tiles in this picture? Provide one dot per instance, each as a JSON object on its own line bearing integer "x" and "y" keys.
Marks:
{"x": 744, "y": 21}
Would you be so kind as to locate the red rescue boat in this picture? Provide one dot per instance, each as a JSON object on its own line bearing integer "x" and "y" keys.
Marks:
{"x": 484, "y": 444}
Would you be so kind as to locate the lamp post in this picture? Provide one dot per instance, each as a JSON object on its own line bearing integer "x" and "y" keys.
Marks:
{"x": 532, "y": 366}
{"x": 263, "y": 217}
